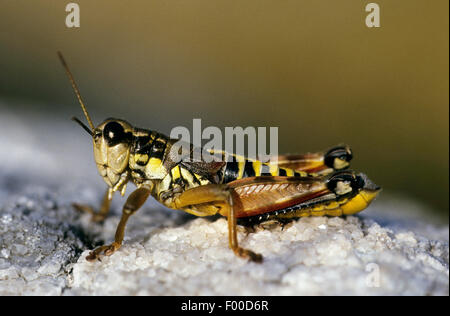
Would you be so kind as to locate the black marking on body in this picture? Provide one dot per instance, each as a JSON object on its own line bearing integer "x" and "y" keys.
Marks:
{"x": 282, "y": 172}
{"x": 140, "y": 173}
{"x": 158, "y": 147}
{"x": 273, "y": 215}
{"x": 140, "y": 142}
{"x": 153, "y": 144}
{"x": 265, "y": 170}
{"x": 219, "y": 176}
{"x": 342, "y": 152}
{"x": 194, "y": 177}
{"x": 267, "y": 216}
{"x": 141, "y": 163}
{"x": 249, "y": 171}
{"x": 231, "y": 171}
{"x": 143, "y": 144}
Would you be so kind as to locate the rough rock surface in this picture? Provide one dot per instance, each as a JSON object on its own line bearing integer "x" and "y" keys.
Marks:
{"x": 391, "y": 248}
{"x": 36, "y": 246}
{"x": 165, "y": 252}
{"x": 307, "y": 257}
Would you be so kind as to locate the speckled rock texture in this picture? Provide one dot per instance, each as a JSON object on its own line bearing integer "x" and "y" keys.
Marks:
{"x": 392, "y": 248}
{"x": 312, "y": 256}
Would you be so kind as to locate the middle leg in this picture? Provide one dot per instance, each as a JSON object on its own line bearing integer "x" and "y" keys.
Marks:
{"x": 133, "y": 203}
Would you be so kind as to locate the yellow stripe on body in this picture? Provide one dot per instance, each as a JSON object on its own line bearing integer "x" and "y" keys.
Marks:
{"x": 155, "y": 169}
{"x": 141, "y": 158}
{"x": 289, "y": 172}
{"x": 175, "y": 172}
{"x": 188, "y": 177}
{"x": 154, "y": 164}
{"x": 257, "y": 167}
{"x": 202, "y": 180}
{"x": 274, "y": 170}
{"x": 241, "y": 166}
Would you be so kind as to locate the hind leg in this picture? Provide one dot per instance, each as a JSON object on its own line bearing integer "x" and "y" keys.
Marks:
{"x": 217, "y": 195}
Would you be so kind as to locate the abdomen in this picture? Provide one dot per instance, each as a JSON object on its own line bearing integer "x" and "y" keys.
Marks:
{"x": 241, "y": 168}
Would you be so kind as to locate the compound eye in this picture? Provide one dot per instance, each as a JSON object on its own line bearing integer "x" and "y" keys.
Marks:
{"x": 338, "y": 157}
{"x": 113, "y": 133}
{"x": 343, "y": 183}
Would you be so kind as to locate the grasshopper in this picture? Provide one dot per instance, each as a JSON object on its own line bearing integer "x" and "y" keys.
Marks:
{"x": 314, "y": 184}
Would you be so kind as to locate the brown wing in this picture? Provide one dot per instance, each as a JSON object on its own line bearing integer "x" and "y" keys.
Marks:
{"x": 260, "y": 195}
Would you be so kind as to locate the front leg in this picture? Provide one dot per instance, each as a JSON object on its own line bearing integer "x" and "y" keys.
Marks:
{"x": 104, "y": 208}
{"x": 133, "y": 203}
{"x": 216, "y": 195}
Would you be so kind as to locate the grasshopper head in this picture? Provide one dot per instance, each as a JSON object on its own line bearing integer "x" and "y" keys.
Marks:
{"x": 112, "y": 141}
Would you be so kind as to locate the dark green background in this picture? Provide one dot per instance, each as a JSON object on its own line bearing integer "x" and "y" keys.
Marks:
{"x": 310, "y": 67}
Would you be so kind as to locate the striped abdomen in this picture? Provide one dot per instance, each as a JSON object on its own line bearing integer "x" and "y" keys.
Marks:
{"x": 245, "y": 168}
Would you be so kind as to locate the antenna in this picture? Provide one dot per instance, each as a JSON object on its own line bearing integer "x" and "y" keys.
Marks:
{"x": 83, "y": 126}
{"x": 75, "y": 89}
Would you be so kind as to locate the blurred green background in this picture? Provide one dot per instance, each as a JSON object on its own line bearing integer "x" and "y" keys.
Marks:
{"x": 312, "y": 68}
